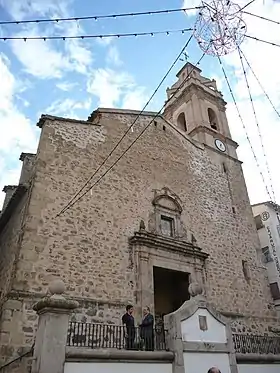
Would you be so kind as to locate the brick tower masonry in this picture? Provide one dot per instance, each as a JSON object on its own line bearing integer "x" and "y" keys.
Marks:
{"x": 176, "y": 204}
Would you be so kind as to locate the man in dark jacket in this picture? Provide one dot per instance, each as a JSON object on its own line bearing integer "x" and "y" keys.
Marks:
{"x": 147, "y": 329}
{"x": 128, "y": 321}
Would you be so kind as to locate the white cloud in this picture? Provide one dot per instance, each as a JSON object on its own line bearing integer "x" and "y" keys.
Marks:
{"x": 17, "y": 135}
{"x": 105, "y": 41}
{"x": 25, "y": 8}
{"x": 68, "y": 108}
{"x": 66, "y": 86}
{"x": 114, "y": 88}
{"x": 135, "y": 99}
{"x": 51, "y": 63}
{"x": 48, "y": 59}
{"x": 191, "y": 4}
{"x": 113, "y": 56}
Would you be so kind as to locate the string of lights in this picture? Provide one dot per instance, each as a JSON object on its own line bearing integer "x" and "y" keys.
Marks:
{"x": 257, "y": 122}
{"x": 134, "y": 141}
{"x": 263, "y": 41}
{"x": 260, "y": 84}
{"x": 102, "y": 36}
{"x": 243, "y": 125}
{"x": 261, "y": 17}
{"x": 128, "y": 129}
{"x": 97, "y": 17}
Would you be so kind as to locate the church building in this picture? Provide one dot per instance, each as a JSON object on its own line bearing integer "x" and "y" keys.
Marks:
{"x": 173, "y": 210}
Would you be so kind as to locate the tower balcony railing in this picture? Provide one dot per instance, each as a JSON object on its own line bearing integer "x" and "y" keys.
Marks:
{"x": 107, "y": 336}
{"x": 256, "y": 344}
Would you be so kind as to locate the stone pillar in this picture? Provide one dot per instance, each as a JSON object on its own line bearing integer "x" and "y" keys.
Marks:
{"x": 51, "y": 337}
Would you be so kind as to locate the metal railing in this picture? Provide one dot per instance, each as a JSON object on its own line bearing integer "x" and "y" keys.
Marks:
{"x": 256, "y": 344}
{"x": 104, "y": 336}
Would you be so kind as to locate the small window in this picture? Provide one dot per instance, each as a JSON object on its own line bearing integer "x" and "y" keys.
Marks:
{"x": 266, "y": 255}
{"x": 275, "y": 291}
{"x": 181, "y": 122}
{"x": 212, "y": 119}
{"x": 245, "y": 269}
{"x": 167, "y": 226}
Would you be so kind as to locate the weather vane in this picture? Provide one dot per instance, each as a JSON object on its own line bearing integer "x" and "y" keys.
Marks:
{"x": 219, "y": 28}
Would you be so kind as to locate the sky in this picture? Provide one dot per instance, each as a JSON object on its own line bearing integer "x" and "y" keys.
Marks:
{"x": 72, "y": 78}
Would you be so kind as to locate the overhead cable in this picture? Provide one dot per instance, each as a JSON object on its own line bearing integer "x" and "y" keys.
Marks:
{"x": 128, "y": 129}
{"x": 261, "y": 40}
{"x": 249, "y": 3}
{"x": 261, "y": 17}
{"x": 135, "y": 140}
{"x": 260, "y": 84}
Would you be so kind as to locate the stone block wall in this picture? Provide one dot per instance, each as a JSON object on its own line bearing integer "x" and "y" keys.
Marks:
{"x": 18, "y": 327}
{"x": 87, "y": 246}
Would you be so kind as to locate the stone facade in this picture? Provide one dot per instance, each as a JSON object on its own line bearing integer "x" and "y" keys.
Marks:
{"x": 93, "y": 247}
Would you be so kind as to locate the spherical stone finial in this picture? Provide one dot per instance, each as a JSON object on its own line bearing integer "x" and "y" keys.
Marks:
{"x": 195, "y": 289}
{"x": 57, "y": 287}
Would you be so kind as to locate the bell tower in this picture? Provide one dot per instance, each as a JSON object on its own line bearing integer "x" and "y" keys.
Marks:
{"x": 199, "y": 110}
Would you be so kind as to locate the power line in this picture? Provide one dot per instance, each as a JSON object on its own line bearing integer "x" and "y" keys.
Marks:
{"x": 96, "y": 17}
{"x": 256, "y": 120}
{"x": 257, "y": 79}
{"x": 129, "y": 128}
{"x": 245, "y": 6}
{"x": 243, "y": 124}
{"x": 102, "y": 36}
{"x": 263, "y": 41}
{"x": 261, "y": 17}
{"x": 135, "y": 140}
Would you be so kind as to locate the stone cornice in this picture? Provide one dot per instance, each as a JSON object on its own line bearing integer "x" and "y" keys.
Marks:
{"x": 7, "y": 213}
{"x": 45, "y": 117}
{"x": 26, "y": 155}
{"x": 200, "y": 92}
{"x": 151, "y": 240}
{"x": 215, "y": 134}
{"x": 121, "y": 111}
{"x": 224, "y": 154}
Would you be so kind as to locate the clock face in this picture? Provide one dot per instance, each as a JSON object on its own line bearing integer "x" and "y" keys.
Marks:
{"x": 220, "y": 145}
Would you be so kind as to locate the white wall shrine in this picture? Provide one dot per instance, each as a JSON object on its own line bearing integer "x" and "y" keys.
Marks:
{"x": 199, "y": 337}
